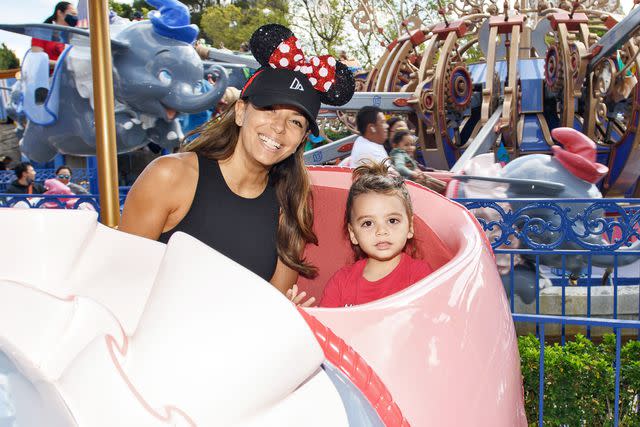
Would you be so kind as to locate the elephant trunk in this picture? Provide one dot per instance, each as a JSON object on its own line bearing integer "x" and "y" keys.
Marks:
{"x": 200, "y": 102}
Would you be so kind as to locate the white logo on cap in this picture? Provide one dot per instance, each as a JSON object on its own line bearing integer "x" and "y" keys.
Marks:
{"x": 296, "y": 85}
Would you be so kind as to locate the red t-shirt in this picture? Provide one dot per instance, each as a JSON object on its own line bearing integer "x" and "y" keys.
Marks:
{"x": 348, "y": 286}
{"x": 53, "y": 49}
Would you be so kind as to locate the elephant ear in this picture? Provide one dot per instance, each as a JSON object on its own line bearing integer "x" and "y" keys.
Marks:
{"x": 522, "y": 188}
{"x": 58, "y": 33}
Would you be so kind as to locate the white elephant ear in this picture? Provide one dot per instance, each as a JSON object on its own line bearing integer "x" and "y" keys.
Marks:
{"x": 521, "y": 187}
{"x": 58, "y": 33}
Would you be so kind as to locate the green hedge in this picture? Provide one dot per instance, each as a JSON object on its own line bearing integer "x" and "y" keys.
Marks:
{"x": 579, "y": 387}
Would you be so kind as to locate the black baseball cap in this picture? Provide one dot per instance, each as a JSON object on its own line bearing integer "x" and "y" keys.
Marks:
{"x": 273, "y": 86}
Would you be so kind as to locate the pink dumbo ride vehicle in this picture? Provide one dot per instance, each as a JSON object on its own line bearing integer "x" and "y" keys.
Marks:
{"x": 101, "y": 328}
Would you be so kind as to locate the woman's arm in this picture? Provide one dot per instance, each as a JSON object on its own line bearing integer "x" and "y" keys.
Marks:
{"x": 38, "y": 48}
{"x": 153, "y": 198}
{"x": 284, "y": 277}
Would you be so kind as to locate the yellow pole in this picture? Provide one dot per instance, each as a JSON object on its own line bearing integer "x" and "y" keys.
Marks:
{"x": 104, "y": 113}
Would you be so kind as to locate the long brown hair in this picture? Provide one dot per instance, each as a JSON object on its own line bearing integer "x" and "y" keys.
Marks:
{"x": 372, "y": 177}
{"x": 218, "y": 139}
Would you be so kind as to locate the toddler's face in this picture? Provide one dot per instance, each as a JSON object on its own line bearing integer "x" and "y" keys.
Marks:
{"x": 408, "y": 144}
{"x": 380, "y": 225}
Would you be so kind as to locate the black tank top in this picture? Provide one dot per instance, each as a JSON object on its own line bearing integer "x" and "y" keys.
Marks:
{"x": 244, "y": 230}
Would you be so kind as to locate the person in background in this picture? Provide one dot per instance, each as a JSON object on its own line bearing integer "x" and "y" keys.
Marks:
{"x": 64, "y": 14}
{"x": 63, "y": 174}
{"x": 402, "y": 156}
{"x": 372, "y": 127}
{"x": 395, "y": 124}
{"x": 379, "y": 223}
{"x": 25, "y": 180}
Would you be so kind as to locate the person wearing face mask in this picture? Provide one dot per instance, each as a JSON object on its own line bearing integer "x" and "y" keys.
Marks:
{"x": 241, "y": 186}
{"x": 25, "y": 181}
{"x": 64, "y": 14}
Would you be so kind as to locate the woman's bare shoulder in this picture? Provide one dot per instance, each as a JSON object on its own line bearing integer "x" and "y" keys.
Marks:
{"x": 171, "y": 169}
{"x": 161, "y": 195}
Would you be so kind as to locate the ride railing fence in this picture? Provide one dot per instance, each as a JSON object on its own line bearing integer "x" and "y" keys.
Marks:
{"x": 571, "y": 271}
{"x": 55, "y": 201}
{"x": 576, "y": 257}
{"x": 580, "y": 383}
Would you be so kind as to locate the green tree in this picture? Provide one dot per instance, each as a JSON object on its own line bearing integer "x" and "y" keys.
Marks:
{"x": 121, "y": 9}
{"x": 234, "y": 23}
{"x": 8, "y": 58}
{"x": 360, "y": 27}
{"x": 323, "y": 23}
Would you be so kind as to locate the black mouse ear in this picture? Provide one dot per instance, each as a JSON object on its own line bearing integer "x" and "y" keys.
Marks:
{"x": 342, "y": 89}
{"x": 266, "y": 39}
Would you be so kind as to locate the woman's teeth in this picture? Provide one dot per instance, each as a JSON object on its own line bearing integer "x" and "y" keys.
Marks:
{"x": 270, "y": 142}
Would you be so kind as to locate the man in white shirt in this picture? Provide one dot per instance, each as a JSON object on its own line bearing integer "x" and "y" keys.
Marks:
{"x": 373, "y": 132}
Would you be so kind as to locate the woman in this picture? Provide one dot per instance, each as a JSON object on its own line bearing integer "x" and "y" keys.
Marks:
{"x": 394, "y": 124}
{"x": 241, "y": 187}
{"x": 63, "y": 14}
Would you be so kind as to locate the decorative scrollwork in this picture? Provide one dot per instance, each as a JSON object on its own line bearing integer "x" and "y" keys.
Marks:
{"x": 601, "y": 113}
{"x": 459, "y": 87}
{"x": 599, "y": 226}
{"x": 554, "y": 70}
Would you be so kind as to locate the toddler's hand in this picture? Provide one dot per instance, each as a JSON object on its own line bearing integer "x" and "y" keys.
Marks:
{"x": 297, "y": 299}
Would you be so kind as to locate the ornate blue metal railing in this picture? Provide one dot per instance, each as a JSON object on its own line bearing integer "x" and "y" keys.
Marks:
{"x": 52, "y": 201}
{"x": 588, "y": 249}
{"x": 598, "y": 225}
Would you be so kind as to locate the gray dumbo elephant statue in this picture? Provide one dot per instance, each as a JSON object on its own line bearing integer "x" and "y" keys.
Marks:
{"x": 157, "y": 74}
{"x": 571, "y": 173}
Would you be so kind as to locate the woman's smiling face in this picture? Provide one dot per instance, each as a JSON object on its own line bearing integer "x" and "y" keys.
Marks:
{"x": 271, "y": 134}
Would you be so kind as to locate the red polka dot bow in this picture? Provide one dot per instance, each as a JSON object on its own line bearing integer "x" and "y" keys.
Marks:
{"x": 320, "y": 70}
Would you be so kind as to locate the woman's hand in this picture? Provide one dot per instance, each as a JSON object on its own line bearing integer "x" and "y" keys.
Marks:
{"x": 298, "y": 299}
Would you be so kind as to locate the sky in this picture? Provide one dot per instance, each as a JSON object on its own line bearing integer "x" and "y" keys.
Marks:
{"x": 34, "y": 11}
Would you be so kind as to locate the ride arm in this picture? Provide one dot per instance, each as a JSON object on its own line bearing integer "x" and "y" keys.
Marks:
{"x": 613, "y": 39}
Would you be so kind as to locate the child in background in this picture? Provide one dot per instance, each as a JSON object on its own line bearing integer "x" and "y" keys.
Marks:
{"x": 379, "y": 222}
{"x": 403, "y": 149}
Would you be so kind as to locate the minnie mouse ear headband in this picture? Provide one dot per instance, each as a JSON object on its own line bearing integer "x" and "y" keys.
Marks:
{"x": 288, "y": 78}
